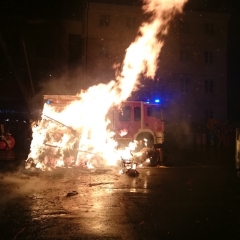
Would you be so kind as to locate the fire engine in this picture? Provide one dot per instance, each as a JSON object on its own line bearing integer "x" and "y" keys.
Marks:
{"x": 142, "y": 122}
{"x": 135, "y": 120}
{"x": 131, "y": 121}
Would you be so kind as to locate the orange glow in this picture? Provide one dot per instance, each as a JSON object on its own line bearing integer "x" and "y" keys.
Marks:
{"x": 81, "y": 128}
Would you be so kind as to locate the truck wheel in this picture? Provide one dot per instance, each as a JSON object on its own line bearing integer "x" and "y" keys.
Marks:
{"x": 157, "y": 158}
{"x": 161, "y": 156}
{"x": 148, "y": 136}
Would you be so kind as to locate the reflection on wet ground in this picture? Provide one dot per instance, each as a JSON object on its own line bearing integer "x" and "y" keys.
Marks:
{"x": 159, "y": 202}
{"x": 39, "y": 206}
{"x": 194, "y": 202}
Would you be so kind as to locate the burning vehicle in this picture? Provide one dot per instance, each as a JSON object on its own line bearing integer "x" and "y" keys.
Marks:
{"x": 136, "y": 134}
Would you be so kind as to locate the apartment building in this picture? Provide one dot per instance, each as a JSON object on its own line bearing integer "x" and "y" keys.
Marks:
{"x": 109, "y": 30}
{"x": 191, "y": 79}
{"x": 193, "y": 67}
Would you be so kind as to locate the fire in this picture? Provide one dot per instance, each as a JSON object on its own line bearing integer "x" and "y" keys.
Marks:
{"x": 79, "y": 134}
{"x": 123, "y": 132}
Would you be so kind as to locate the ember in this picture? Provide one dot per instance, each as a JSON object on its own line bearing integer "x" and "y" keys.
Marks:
{"x": 77, "y": 136}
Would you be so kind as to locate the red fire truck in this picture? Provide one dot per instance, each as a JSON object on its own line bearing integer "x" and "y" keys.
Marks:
{"x": 132, "y": 120}
{"x": 135, "y": 120}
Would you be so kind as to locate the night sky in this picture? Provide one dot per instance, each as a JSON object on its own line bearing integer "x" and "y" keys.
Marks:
{"x": 23, "y": 9}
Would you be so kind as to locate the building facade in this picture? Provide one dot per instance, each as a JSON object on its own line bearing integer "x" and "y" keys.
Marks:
{"x": 193, "y": 67}
{"x": 191, "y": 79}
{"x": 109, "y": 30}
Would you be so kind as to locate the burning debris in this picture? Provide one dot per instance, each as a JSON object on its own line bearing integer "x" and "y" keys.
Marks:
{"x": 136, "y": 158}
{"x": 54, "y": 149}
{"x": 79, "y": 133}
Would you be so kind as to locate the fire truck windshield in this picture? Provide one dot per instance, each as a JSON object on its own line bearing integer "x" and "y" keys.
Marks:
{"x": 125, "y": 113}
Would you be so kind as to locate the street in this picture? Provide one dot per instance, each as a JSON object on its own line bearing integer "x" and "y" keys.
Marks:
{"x": 188, "y": 201}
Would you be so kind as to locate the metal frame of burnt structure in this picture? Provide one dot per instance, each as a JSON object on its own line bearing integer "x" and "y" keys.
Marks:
{"x": 52, "y": 151}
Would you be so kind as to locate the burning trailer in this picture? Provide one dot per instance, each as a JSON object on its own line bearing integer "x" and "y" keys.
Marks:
{"x": 133, "y": 135}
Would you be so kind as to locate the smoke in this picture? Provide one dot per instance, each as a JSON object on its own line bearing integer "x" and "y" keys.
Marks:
{"x": 88, "y": 115}
{"x": 15, "y": 184}
{"x": 142, "y": 55}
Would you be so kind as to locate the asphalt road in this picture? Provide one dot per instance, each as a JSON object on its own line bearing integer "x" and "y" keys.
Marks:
{"x": 191, "y": 199}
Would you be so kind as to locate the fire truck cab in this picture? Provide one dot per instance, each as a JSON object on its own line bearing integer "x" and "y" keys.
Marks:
{"x": 135, "y": 120}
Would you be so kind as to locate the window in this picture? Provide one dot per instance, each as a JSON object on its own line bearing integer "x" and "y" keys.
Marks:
{"x": 137, "y": 114}
{"x": 132, "y": 22}
{"x": 184, "y": 55}
{"x": 184, "y": 27}
{"x": 208, "y": 114}
{"x": 208, "y": 86}
{"x": 184, "y": 85}
{"x": 154, "y": 111}
{"x": 125, "y": 113}
{"x": 209, "y": 29}
{"x": 208, "y": 57}
{"x": 104, "y": 20}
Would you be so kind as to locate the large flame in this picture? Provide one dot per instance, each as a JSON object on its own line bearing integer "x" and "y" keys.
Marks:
{"x": 79, "y": 133}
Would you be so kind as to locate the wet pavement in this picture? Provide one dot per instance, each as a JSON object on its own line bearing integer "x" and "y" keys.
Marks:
{"x": 192, "y": 196}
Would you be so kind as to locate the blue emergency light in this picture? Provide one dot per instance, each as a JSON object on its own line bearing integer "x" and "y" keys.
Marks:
{"x": 157, "y": 100}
